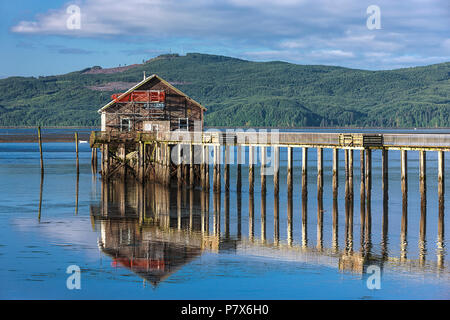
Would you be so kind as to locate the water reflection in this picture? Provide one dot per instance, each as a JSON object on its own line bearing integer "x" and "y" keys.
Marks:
{"x": 154, "y": 230}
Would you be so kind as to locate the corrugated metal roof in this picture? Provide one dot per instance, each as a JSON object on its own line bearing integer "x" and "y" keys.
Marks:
{"x": 145, "y": 81}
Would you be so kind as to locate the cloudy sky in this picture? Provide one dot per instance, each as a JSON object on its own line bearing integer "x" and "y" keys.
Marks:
{"x": 55, "y": 36}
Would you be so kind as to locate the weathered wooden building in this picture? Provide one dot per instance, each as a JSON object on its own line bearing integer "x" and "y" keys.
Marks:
{"x": 151, "y": 105}
{"x": 131, "y": 124}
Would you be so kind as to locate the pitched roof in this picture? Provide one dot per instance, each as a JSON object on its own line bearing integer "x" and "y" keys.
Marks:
{"x": 145, "y": 81}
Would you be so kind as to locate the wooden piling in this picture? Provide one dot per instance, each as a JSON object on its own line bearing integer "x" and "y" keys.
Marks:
{"x": 304, "y": 170}
{"x": 441, "y": 191}
{"x": 239, "y": 169}
{"x": 385, "y": 190}
{"x": 289, "y": 170}
{"x": 76, "y": 150}
{"x": 276, "y": 169}
{"x": 362, "y": 190}
{"x": 404, "y": 180}
{"x": 441, "y": 172}
{"x": 251, "y": 173}
{"x": 207, "y": 179}
{"x": 335, "y": 172}
{"x": 179, "y": 166}
{"x": 263, "y": 168}
{"x": 423, "y": 192}
{"x": 191, "y": 166}
{"x": 40, "y": 150}
{"x": 319, "y": 172}
{"x": 227, "y": 168}
{"x": 368, "y": 223}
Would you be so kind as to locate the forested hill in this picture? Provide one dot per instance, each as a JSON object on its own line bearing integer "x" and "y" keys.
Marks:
{"x": 238, "y": 93}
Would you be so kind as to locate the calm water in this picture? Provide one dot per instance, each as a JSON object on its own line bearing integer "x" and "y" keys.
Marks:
{"x": 153, "y": 243}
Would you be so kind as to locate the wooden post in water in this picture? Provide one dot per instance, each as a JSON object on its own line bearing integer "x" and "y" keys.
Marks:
{"x": 251, "y": 173}
{"x": 262, "y": 150}
{"x": 404, "y": 177}
{"x": 203, "y": 168}
{"x": 276, "y": 169}
{"x": 207, "y": 169}
{"x": 304, "y": 170}
{"x": 239, "y": 169}
{"x": 290, "y": 168}
{"x": 217, "y": 182}
{"x": 368, "y": 223}
{"x": 76, "y": 150}
{"x": 227, "y": 168}
{"x": 441, "y": 191}
{"x": 423, "y": 192}
{"x": 362, "y": 190}
{"x": 276, "y": 219}
{"x": 319, "y": 171}
{"x": 40, "y": 150}
{"x": 179, "y": 166}
{"x": 335, "y": 172}
{"x": 191, "y": 166}
{"x": 351, "y": 192}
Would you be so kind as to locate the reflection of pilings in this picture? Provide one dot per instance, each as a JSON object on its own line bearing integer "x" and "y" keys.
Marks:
{"x": 335, "y": 236}
{"x": 41, "y": 187}
{"x": 262, "y": 150}
{"x": 251, "y": 173}
{"x": 239, "y": 215}
{"x": 191, "y": 208}
{"x": 263, "y": 216}
{"x": 289, "y": 219}
{"x": 251, "y": 216}
{"x": 226, "y": 209}
{"x": 276, "y": 219}
{"x": 77, "y": 192}
{"x": 179, "y": 205}
{"x": 216, "y": 203}
{"x": 404, "y": 177}
{"x": 304, "y": 218}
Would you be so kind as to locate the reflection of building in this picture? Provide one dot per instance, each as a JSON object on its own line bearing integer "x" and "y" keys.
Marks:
{"x": 152, "y": 230}
{"x": 155, "y": 230}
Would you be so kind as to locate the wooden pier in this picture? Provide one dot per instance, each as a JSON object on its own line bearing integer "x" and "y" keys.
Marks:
{"x": 184, "y": 157}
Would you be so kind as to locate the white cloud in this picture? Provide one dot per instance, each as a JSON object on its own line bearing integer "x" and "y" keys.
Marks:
{"x": 301, "y": 29}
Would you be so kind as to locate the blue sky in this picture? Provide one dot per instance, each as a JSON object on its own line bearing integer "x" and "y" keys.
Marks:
{"x": 36, "y": 40}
